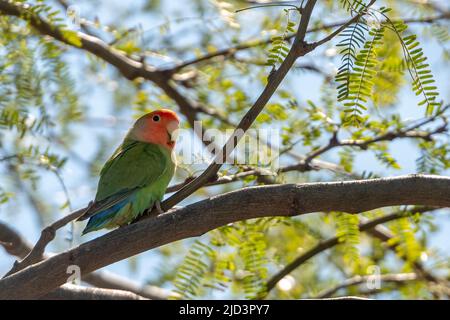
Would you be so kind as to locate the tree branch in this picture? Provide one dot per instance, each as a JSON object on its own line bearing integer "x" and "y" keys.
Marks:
{"x": 410, "y": 132}
{"x": 17, "y": 246}
{"x": 109, "y": 280}
{"x": 383, "y": 234}
{"x": 227, "y": 52}
{"x": 356, "y": 280}
{"x": 13, "y": 243}
{"x": 374, "y": 228}
{"x": 73, "y": 292}
{"x": 310, "y": 161}
{"x": 203, "y": 216}
{"x": 299, "y": 48}
{"x": 329, "y": 243}
{"x": 123, "y": 63}
{"x": 47, "y": 235}
{"x": 344, "y": 298}
{"x": 128, "y": 67}
{"x": 344, "y": 25}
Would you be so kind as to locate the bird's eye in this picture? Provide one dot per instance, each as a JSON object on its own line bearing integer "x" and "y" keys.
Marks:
{"x": 156, "y": 118}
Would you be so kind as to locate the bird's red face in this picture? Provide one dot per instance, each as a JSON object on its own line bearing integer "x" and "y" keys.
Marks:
{"x": 158, "y": 127}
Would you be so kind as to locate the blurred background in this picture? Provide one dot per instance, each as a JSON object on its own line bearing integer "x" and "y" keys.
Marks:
{"x": 69, "y": 110}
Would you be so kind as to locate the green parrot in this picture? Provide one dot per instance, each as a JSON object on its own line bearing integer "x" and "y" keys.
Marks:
{"x": 137, "y": 174}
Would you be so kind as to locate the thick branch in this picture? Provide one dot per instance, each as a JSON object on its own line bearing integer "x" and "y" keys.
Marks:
{"x": 13, "y": 243}
{"x": 345, "y": 298}
{"x": 203, "y": 216}
{"x": 130, "y": 68}
{"x": 17, "y": 246}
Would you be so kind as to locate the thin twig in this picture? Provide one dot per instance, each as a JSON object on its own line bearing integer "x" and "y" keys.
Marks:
{"x": 345, "y": 25}
{"x": 410, "y": 132}
{"x": 227, "y": 52}
{"x": 294, "y": 7}
{"x": 47, "y": 235}
{"x": 356, "y": 280}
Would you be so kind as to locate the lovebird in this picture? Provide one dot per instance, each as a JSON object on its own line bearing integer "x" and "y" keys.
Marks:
{"x": 136, "y": 176}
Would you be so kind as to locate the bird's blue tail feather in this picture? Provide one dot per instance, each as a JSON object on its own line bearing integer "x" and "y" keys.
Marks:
{"x": 102, "y": 217}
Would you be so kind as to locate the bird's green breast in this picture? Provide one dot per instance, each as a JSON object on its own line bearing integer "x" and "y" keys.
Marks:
{"x": 147, "y": 168}
{"x": 134, "y": 165}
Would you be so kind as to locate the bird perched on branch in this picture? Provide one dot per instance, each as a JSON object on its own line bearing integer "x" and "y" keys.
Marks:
{"x": 136, "y": 176}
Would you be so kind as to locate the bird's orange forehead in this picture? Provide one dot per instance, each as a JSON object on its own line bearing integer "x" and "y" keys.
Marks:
{"x": 165, "y": 114}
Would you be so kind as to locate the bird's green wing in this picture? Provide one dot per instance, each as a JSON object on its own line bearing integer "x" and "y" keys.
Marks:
{"x": 134, "y": 165}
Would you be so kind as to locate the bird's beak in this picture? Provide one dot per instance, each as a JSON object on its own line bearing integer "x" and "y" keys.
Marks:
{"x": 172, "y": 130}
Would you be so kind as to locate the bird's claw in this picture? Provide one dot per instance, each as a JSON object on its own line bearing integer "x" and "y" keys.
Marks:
{"x": 158, "y": 207}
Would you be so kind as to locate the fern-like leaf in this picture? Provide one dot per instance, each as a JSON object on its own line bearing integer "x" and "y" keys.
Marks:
{"x": 347, "y": 231}
{"x": 422, "y": 78}
{"x": 253, "y": 253}
{"x": 279, "y": 46}
{"x": 353, "y": 38}
{"x": 190, "y": 274}
{"x": 360, "y": 80}
{"x": 353, "y": 5}
{"x": 405, "y": 240}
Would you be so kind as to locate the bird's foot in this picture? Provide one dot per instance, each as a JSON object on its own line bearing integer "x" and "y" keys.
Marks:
{"x": 158, "y": 207}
